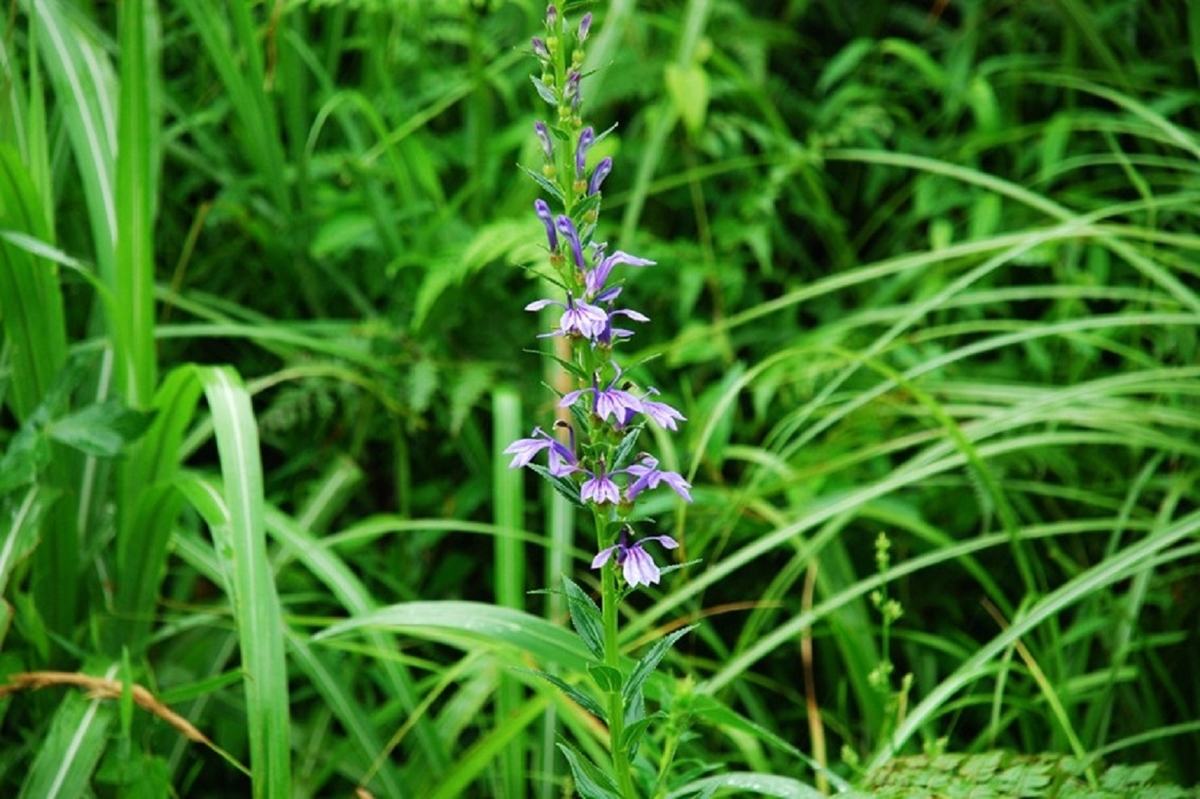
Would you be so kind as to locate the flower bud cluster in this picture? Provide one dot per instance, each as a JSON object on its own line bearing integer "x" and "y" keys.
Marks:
{"x": 596, "y": 453}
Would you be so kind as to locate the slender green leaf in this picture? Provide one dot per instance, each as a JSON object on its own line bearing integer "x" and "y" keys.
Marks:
{"x": 749, "y": 783}
{"x": 467, "y": 624}
{"x": 590, "y": 781}
{"x": 585, "y": 617}
{"x": 252, "y": 586}
{"x": 646, "y": 666}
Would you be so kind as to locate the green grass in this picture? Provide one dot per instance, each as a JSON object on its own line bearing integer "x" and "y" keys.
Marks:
{"x": 922, "y": 269}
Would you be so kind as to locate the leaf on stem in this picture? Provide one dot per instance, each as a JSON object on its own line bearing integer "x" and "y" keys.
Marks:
{"x": 646, "y": 666}
{"x": 590, "y": 781}
{"x": 585, "y": 617}
{"x": 577, "y": 696}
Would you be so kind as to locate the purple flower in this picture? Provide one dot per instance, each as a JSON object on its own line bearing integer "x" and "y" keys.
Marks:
{"x": 567, "y": 228}
{"x": 599, "y": 488}
{"x": 648, "y": 475}
{"x": 543, "y": 134}
{"x": 587, "y": 137}
{"x": 662, "y": 413}
{"x": 638, "y": 566}
{"x": 562, "y": 459}
{"x": 579, "y": 318}
{"x": 609, "y": 332}
{"x": 544, "y": 214}
{"x": 599, "y": 174}
{"x": 552, "y": 17}
{"x": 585, "y": 25}
{"x": 571, "y": 90}
{"x": 597, "y": 277}
{"x": 540, "y": 50}
{"x": 611, "y": 401}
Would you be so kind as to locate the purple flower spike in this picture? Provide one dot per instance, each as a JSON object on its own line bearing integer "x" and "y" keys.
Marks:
{"x": 585, "y": 25}
{"x": 599, "y": 174}
{"x": 611, "y": 401}
{"x": 539, "y": 128}
{"x": 567, "y": 228}
{"x": 562, "y": 459}
{"x": 600, "y": 488}
{"x": 639, "y": 568}
{"x": 544, "y": 214}
{"x": 596, "y": 278}
{"x": 539, "y": 49}
{"x": 586, "y": 138}
{"x": 649, "y": 476}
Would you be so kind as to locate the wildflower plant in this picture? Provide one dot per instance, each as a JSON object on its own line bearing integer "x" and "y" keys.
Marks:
{"x": 593, "y": 457}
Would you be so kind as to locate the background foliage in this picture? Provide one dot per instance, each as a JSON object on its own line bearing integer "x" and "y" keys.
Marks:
{"x": 924, "y": 268}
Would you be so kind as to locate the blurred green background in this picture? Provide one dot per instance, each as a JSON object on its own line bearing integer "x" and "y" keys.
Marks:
{"x": 923, "y": 268}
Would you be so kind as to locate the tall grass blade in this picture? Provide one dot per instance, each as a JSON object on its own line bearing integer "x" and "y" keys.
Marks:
{"x": 153, "y": 502}
{"x": 34, "y": 320}
{"x": 508, "y": 495}
{"x": 241, "y": 545}
{"x": 137, "y": 166}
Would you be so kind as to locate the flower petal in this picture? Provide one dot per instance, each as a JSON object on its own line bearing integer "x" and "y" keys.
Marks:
{"x": 603, "y": 555}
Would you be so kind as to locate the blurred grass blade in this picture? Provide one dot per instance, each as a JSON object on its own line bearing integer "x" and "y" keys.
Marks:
{"x": 1118, "y": 567}
{"x": 76, "y": 739}
{"x": 153, "y": 505}
{"x": 85, "y": 86}
{"x": 241, "y": 545}
{"x": 354, "y": 718}
{"x": 33, "y": 315}
{"x": 346, "y": 587}
{"x": 31, "y": 302}
{"x": 237, "y": 56}
{"x": 137, "y": 165}
{"x": 508, "y": 492}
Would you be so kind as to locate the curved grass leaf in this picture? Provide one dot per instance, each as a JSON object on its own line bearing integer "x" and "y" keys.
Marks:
{"x": 468, "y": 624}
{"x": 241, "y": 546}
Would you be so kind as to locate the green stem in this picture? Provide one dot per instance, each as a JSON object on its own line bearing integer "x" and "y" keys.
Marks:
{"x": 616, "y": 702}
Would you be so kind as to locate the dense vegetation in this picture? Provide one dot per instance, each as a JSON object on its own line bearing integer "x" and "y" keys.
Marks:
{"x": 926, "y": 291}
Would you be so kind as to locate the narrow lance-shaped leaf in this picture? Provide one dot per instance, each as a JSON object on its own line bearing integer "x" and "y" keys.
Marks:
{"x": 585, "y": 617}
